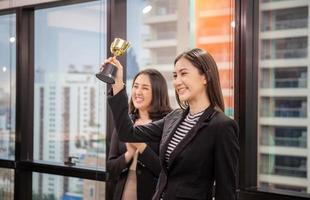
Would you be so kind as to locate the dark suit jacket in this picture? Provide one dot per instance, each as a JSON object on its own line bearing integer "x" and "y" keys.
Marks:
{"x": 147, "y": 171}
{"x": 207, "y": 154}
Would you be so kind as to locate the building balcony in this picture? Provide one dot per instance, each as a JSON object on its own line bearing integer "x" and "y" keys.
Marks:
{"x": 285, "y": 53}
{"x": 277, "y": 63}
{"x": 156, "y": 19}
{"x": 283, "y": 151}
{"x": 159, "y": 43}
{"x": 285, "y": 83}
{"x": 285, "y": 24}
{"x": 288, "y": 33}
{"x": 290, "y": 112}
{"x": 299, "y": 142}
{"x": 283, "y": 92}
{"x": 281, "y": 4}
{"x": 279, "y": 121}
{"x": 285, "y": 171}
{"x": 276, "y": 179}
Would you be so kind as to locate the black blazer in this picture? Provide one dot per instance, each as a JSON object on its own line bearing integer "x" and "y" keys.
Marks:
{"x": 208, "y": 153}
{"x": 147, "y": 171}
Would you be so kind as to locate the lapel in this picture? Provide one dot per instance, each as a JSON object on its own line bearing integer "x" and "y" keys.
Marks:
{"x": 168, "y": 133}
{"x": 202, "y": 122}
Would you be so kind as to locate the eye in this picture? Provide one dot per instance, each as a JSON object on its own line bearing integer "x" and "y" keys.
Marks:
{"x": 135, "y": 86}
{"x": 145, "y": 88}
{"x": 174, "y": 76}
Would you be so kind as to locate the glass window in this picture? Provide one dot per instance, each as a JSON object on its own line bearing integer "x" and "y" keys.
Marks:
{"x": 12, "y": 3}
{"x": 52, "y": 187}
{"x": 6, "y": 184}
{"x": 283, "y": 124}
{"x": 160, "y": 30}
{"x": 284, "y": 77}
{"x": 7, "y": 85}
{"x": 69, "y": 101}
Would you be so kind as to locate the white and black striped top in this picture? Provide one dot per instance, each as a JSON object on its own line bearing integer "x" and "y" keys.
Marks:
{"x": 184, "y": 127}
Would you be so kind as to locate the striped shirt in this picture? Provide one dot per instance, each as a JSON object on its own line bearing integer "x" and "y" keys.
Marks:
{"x": 184, "y": 127}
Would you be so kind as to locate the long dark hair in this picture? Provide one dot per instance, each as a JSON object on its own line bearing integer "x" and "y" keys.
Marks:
{"x": 206, "y": 65}
{"x": 160, "y": 105}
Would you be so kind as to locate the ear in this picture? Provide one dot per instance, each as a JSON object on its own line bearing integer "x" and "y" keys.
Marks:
{"x": 205, "y": 81}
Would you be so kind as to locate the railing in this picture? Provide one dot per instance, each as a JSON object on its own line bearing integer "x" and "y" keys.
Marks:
{"x": 165, "y": 35}
{"x": 286, "y": 24}
{"x": 291, "y": 83}
{"x": 285, "y": 53}
{"x": 290, "y": 112}
{"x": 285, "y": 171}
{"x": 286, "y": 142}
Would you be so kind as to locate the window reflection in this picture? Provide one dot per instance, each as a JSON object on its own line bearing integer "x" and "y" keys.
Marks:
{"x": 74, "y": 188}
{"x": 6, "y": 184}
{"x": 69, "y": 101}
{"x": 7, "y": 85}
{"x": 160, "y": 30}
{"x": 283, "y": 95}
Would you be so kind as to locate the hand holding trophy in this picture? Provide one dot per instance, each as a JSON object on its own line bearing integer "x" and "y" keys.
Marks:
{"x": 108, "y": 71}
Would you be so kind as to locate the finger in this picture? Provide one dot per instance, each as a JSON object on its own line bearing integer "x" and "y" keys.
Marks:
{"x": 114, "y": 60}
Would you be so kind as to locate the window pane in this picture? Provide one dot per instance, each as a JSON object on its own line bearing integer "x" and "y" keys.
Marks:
{"x": 160, "y": 30}
{"x": 70, "y": 102}
{"x": 6, "y": 184}
{"x": 283, "y": 123}
{"x": 52, "y": 187}
{"x": 13, "y": 3}
{"x": 7, "y": 85}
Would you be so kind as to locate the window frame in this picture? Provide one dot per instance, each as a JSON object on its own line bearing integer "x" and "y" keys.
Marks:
{"x": 246, "y": 104}
{"x": 245, "y": 94}
{"x": 24, "y": 165}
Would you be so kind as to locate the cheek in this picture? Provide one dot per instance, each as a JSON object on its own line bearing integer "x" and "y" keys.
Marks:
{"x": 149, "y": 96}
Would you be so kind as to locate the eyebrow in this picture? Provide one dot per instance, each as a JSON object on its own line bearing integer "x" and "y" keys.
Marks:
{"x": 142, "y": 84}
{"x": 182, "y": 69}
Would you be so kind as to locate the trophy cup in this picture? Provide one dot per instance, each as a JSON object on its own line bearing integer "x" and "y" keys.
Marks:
{"x": 108, "y": 71}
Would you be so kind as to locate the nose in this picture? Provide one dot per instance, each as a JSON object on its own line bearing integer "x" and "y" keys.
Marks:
{"x": 177, "y": 81}
{"x": 138, "y": 90}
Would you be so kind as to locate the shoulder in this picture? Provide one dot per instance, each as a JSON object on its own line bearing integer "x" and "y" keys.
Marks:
{"x": 175, "y": 113}
{"x": 221, "y": 119}
{"x": 224, "y": 124}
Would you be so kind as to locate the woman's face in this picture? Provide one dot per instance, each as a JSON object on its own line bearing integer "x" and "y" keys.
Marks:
{"x": 188, "y": 83}
{"x": 142, "y": 92}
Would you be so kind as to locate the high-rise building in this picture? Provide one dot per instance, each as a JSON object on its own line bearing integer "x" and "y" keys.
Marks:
{"x": 283, "y": 125}
{"x": 214, "y": 32}
{"x": 172, "y": 27}
{"x": 69, "y": 108}
{"x": 165, "y": 35}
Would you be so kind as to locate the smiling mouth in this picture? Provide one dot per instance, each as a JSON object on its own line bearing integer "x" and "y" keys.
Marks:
{"x": 139, "y": 99}
{"x": 181, "y": 91}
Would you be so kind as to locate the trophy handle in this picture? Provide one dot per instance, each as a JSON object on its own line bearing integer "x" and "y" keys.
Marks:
{"x": 108, "y": 73}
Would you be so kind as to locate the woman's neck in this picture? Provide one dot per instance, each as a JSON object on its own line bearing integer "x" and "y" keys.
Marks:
{"x": 144, "y": 115}
{"x": 198, "y": 104}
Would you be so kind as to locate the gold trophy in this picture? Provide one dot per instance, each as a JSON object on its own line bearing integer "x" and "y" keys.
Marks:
{"x": 108, "y": 71}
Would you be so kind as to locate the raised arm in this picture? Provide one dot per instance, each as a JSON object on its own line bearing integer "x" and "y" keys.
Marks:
{"x": 150, "y": 132}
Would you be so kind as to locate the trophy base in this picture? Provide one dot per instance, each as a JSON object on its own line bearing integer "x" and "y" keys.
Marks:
{"x": 105, "y": 78}
{"x": 107, "y": 74}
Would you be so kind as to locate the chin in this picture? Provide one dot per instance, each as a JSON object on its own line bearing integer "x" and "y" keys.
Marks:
{"x": 183, "y": 99}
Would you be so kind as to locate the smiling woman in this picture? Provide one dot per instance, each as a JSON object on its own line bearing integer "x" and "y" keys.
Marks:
{"x": 198, "y": 143}
{"x": 135, "y": 166}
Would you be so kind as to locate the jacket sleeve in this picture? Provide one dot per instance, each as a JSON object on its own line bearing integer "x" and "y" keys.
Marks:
{"x": 226, "y": 160}
{"x": 116, "y": 163}
{"x": 150, "y": 132}
{"x": 150, "y": 160}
